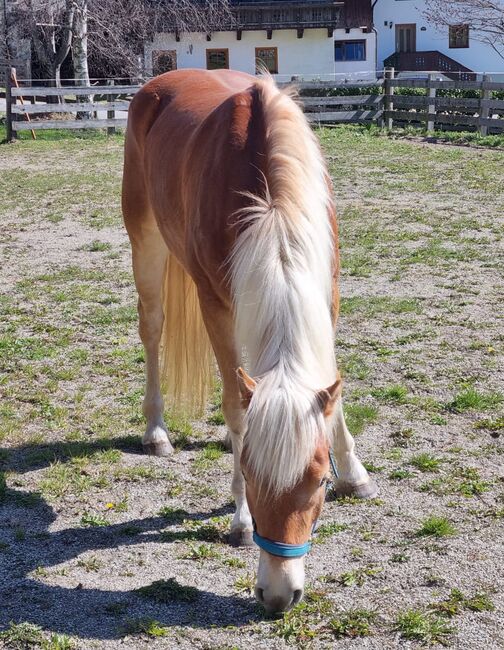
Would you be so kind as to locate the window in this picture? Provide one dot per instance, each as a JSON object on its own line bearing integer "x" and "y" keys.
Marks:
{"x": 459, "y": 35}
{"x": 217, "y": 59}
{"x": 349, "y": 50}
{"x": 163, "y": 61}
{"x": 266, "y": 57}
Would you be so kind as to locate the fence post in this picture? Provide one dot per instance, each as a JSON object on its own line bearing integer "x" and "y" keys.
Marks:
{"x": 484, "y": 110}
{"x": 111, "y": 114}
{"x": 389, "y": 96}
{"x": 10, "y": 101}
{"x": 431, "y": 108}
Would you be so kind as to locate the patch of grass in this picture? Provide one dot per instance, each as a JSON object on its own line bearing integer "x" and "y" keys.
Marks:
{"x": 90, "y": 564}
{"x": 402, "y": 437}
{"x": 353, "y": 624}
{"x": 354, "y": 367}
{"x": 457, "y": 602}
{"x": 372, "y": 468}
{"x": 358, "y": 576}
{"x": 245, "y": 584}
{"x": 465, "y": 481}
{"x": 166, "y": 591}
{"x": 172, "y": 515}
{"x": 302, "y": 623}
{"x": 19, "y": 636}
{"x": 435, "y": 526}
{"x": 395, "y": 394}
{"x": 472, "y": 399}
{"x": 427, "y": 628}
{"x": 148, "y": 626}
{"x": 425, "y": 462}
{"x": 400, "y": 474}
{"x": 217, "y": 418}
{"x": 96, "y": 246}
{"x": 357, "y": 416}
{"x": 91, "y": 519}
{"x": 59, "y": 642}
{"x": 495, "y": 426}
{"x": 234, "y": 562}
{"x": 201, "y": 552}
{"x": 209, "y": 455}
{"x": 325, "y": 531}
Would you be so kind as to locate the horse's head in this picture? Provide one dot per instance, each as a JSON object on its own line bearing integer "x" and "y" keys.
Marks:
{"x": 284, "y": 520}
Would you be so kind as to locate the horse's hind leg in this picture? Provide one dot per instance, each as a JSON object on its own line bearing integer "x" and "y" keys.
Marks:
{"x": 353, "y": 478}
{"x": 149, "y": 253}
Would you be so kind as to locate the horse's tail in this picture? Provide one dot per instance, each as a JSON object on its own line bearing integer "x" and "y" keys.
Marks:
{"x": 187, "y": 364}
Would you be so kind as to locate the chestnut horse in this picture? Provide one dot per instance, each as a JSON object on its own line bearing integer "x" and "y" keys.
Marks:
{"x": 228, "y": 206}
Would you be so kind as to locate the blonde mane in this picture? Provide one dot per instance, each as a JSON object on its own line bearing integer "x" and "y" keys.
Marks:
{"x": 281, "y": 274}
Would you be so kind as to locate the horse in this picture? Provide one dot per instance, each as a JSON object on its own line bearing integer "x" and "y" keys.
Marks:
{"x": 229, "y": 209}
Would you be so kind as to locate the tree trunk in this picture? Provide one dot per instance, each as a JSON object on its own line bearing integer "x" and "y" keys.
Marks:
{"x": 79, "y": 52}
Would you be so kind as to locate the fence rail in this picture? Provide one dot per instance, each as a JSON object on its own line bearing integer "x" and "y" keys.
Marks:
{"x": 97, "y": 106}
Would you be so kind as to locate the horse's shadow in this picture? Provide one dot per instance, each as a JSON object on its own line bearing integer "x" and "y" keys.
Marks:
{"x": 28, "y": 545}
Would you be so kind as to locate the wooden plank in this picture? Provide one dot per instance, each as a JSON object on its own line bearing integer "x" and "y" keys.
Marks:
{"x": 448, "y": 84}
{"x": 306, "y": 85}
{"x": 468, "y": 120}
{"x": 388, "y": 93}
{"x": 80, "y": 90}
{"x": 345, "y": 116}
{"x": 71, "y": 107}
{"x": 343, "y": 100}
{"x": 431, "y": 107}
{"x": 70, "y": 124}
{"x": 416, "y": 101}
{"x": 484, "y": 110}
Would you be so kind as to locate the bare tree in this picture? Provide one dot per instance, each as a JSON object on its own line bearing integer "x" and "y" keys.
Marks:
{"x": 109, "y": 35}
{"x": 118, "y": 29}
{"x": 49, "y": 25}
{"x": 485, "y": 19}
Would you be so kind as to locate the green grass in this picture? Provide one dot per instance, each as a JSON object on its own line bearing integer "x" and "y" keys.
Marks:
{"x": 209, "y": 455}
{"x": 353, "y": 623}
{"x": 425, "y": 462}
{"x": 394, "y": 394}
{"x": 22, "y": 635}
{"x": 427, "y": 628}
{"x": 457, "y": 602}
{"x": 146, "y": 626}
{"x": 473, "y": 399}
{"x": 435, "y": 526}
{"x": 358, "y": 416}
{"x": 167, "y": 591}
{"x": 328, "y": 530}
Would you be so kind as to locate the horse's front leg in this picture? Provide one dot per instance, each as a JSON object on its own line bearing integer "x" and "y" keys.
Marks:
{"x": 353, "y": 479}
{"x": 220, "y": 328}
{"x": 241, "y": 526}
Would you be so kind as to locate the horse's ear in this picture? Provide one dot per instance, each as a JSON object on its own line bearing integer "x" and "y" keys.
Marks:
{"x": 327, "y": 398}
{"x": 247, "y": 386}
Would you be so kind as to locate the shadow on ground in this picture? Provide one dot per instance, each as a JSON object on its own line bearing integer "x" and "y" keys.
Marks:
{"x": 27, "y": 543}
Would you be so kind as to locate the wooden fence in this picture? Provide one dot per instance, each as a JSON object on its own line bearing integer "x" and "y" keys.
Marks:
{"x": 322, "y": 103}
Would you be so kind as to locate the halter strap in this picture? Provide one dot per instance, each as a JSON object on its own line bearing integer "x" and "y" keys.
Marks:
{"x": 281, "y": 549}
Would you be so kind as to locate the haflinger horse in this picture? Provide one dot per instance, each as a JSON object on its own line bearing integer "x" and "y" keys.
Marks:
{"x": 229, "y": 209}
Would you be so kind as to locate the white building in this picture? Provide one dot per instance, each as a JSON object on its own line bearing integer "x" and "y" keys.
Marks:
{"x": 307, "y": 39}
{"x": 407, "y": 41}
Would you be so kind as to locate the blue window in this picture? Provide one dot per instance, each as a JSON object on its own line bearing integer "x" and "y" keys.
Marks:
{"x": 349, "y": 50}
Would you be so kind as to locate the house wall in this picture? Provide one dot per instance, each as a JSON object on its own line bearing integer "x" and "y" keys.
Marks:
{"x": 477, "y": 57}
{"x": 309, "y": 57}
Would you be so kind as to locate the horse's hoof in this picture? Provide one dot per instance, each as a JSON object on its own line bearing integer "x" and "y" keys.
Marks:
{"x": 241, "y": 538}
{"x": 160, "y": 448}
{"x": 366, "y": 490}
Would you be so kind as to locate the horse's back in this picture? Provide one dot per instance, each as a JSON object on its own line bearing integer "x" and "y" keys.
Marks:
{"x": 194, "y": 145}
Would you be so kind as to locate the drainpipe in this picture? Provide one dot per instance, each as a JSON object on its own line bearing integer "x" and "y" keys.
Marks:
{"x": 375, "y": 2}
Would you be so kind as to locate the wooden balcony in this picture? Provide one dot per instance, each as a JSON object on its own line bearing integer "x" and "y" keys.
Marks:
{"x": 261, "y": 15}
{"x": 430, "y": 61}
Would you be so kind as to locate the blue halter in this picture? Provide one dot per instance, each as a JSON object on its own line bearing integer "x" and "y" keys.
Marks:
{"x": 281, "y": 549}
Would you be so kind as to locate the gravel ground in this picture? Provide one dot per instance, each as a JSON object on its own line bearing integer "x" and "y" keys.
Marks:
{"x": 88, "y": 524}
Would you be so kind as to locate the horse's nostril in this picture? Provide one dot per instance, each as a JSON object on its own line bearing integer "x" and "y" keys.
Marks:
{"x": 298, "y": 594}
{"x": 259, "y": 594}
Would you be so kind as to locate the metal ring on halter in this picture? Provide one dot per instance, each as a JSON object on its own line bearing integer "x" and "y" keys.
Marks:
{"x": 282, "y": 549}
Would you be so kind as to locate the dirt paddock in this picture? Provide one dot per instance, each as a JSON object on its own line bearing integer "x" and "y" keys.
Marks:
{"x": 103, "y": 547}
